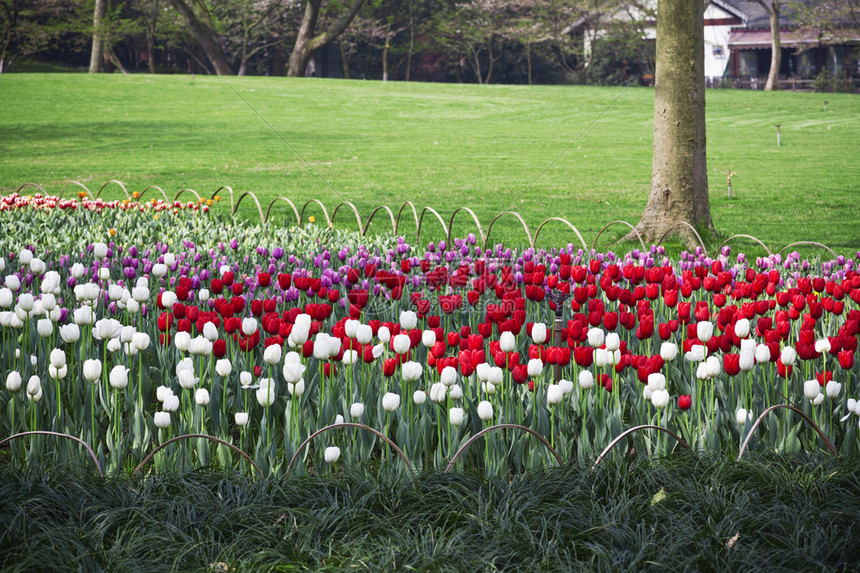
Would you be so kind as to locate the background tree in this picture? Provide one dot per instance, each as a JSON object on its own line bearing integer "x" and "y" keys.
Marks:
{"x": 29, "y": 26}
{"x": 307, "y": 40}
{"x": 197, "y": 17}
{"x": 773, "y": 9}
{"x": 679, "y": 178}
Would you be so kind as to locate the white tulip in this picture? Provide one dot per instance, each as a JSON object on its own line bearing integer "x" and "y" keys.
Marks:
{"x": 833, "y": 389}
{"x": 241, "y": 418}
{"x": 438, "y": 392}
{"x": 704, "y": 330}
{"x": 92, "y": 369}
{"x": 566, "y": 386}
{"x": 83, "y": 316}
{"x": 272, "y": 354}
{"x": 455, "y": 392}
{"x": 535, "y": 367}
{"x": 350, "y": 327}
{"x": 223, "y": 367}
{"x": 668, "y": 351}
{"x": 201, "y": 397}
{"x": 25, "y": 256}
{"x": 140, "y": 294}
{"x": 656, "y": 381}
{"x": 596, "y": 337}
{"x": 742, "y": 328}
{"x": 613, "y": 341}
{"x": 13, "y": 381}
{"x": 482, "y": 370}
{"x": 349, "y": 357}
{"x": 267, "y": 392}
{"x": 448, "y": 377}
{"x": 119, "y": 377}
{"x": 159, "y": 270}
{"x": 58, "y": 358}
{"x": 169, "y": 259}
{"x": 26, "y": 301}
{"x": 12, "y": 282}
{"x": 332, "y": 453}
{"x": 822, "y": 345}
{"x": 249, "y": 326}
{"x": 6, "y": 297}
{"x": 58, "y": 373}
{"x": 602, "y": 357}
{"x": 182, "y": 341}
{"x": 100, "y": 250}
{"x": 210, "y": 331}
{"x": 742, "y": 416}
{"x": 203, "y": 294}
{"x": 162, "y": 392}
{"x": 418, "y": 397}
{"x": 762, "y": 353}
{"x": 140, "y": 340}
{"x": 34, "y": 385}
{"x": 586, "y": 380}
{"x": 647, "y": 393}
{"x": 411, "y": 371}
{"x": 356, "y": 410}
{"x": 390, "y": 401}
{"x": 364, "y": 333}
{"x": 132, "y": 306}
{"x": 488, "y": 387}
{"x": 495, "y": 375}
{"x": 660, "y": 398}
{"x": 554, "y": 394}
{"x": 186, "y": 378}
{"x": 45, "y": 327}
{"x": 507, "y": 342}
{"x": 38, "y": 266}
{"x": 408, "y": 319}
{"x": 35, "y": 397}
{"x": 49, "y": 301}
{"x": 428, "y": 338}
{"x": 788, "y": 356}
{"x": 200, "y": 346}
{"x": 384, "y": 334}
{"x": 539, "y": 333}
{"x": 245, "y": 378}
{"x": 161, "y": 419}
{"x": 485, "y": 411}
{"x": 401, "y": 344}
{"x": 115, "y": 292}
{"x": 455, "y": 416}
{"x": 126, "y": 333}
{"x": 297, "y": 388}
{"x": 811, "y": 389}
{"x": 695, "y": 354}
{"x": 171, "y": 403}
{"x": 293, "y": 371}
{"x": 746, "y": 360}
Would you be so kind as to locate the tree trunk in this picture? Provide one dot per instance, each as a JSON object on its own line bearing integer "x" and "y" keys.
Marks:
{"x": 775, "y": 46}
{"x": 411, "y": 42}
{"x": 306, "y": 42}
{"x": 385, "y": 52}
{"x": 529, "y": 60}
{"x": 97, "y": 53}
{"x": 679, "y": 179}
{"x": 201, "y": 26}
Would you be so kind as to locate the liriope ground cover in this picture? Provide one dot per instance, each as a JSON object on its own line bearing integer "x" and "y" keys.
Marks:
{"x": 683, "y": 512}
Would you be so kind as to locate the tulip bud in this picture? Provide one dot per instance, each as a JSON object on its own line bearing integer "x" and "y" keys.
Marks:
{"x": 668, "y": 351}
{"x": 419, "y": 396}
{"x": 539, "y": 333}
{"x": 485, "y": 411}
{"x": 92, "y": 369}
{"x": 161, "y": 419}
{"x": 332, "y": 453}
{"x": 811, "y": 389}
{"x": 455, "y": 416}
{"x": 613, "y": 341}
{"x": 507, "y": 342}
{"x": 241, "y": 418}
{"x": 586, "y": 380}
{"x": 100, "y": 250}
{"x": 201, "y": 397}
{"x": 356, "y": 410}
{"x": 390, "y": 401}
{"x": 660, "y": 398}
{"x": 742, "y": 416}
{"x": 595, "y": 337}
{"x": 13, "y": 381}
{"x": 119, "y": 377}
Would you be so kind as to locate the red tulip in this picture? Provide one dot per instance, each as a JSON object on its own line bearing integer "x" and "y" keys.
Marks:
{"x": 684, "y": 402}
{"x": 846, "y": 359}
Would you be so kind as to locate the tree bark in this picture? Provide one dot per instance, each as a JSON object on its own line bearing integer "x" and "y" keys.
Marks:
{"x": 679, "y": 179}
{"x": 775, "y": 47}
{"x": 97, "y": 53}
{"x": 201, "y": 26}
{"x": 306, "y": 42}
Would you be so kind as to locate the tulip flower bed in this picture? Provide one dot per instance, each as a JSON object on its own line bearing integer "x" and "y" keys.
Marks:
{"x": 127, "y": 326}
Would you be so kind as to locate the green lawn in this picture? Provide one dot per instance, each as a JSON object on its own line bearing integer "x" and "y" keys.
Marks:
{"x": 491, "y": 148}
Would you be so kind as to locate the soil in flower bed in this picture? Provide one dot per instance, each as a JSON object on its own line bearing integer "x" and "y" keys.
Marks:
{"x": 678, "y": 513}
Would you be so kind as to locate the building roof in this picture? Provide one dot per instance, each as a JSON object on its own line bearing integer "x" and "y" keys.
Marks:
{"x": 757, "y": 17}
